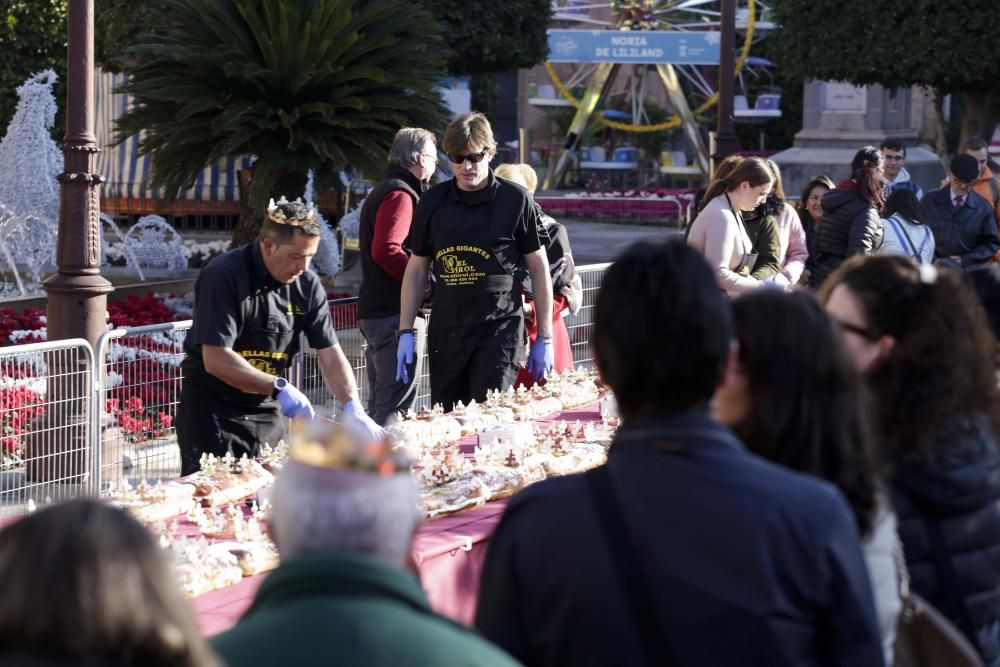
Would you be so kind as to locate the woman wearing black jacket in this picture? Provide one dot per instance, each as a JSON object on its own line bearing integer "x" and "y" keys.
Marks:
{"x": 923, "y": 343}
{"x": 851, "y": 223}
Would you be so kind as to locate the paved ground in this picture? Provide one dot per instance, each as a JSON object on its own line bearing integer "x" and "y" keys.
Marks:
{"x": 595, "y": 242}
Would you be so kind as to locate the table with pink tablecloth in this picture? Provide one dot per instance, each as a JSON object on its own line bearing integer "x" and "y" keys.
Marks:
{"x": 448, "y": 553}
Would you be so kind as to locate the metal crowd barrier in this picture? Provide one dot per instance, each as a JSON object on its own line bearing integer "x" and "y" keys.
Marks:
{"x": 83, "y": 426}
{"x": 136, "y": 402}
{"x": 46, "y": 424}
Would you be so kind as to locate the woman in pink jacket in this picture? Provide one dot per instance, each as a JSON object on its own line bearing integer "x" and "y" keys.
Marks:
{"x": 718, "y": 232}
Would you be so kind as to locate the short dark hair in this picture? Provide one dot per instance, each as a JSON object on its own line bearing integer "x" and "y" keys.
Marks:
{"x": 893, "y": 144}
{"x": 974, "y": 144}
{"x": 905, "y": 203}
{"x": 662, "y": 329}
{"x": 86, "y": 579}
{"x": 809, "y": 407}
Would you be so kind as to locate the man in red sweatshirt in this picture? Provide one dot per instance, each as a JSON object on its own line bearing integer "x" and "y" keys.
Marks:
{"x": 384, "y": 230}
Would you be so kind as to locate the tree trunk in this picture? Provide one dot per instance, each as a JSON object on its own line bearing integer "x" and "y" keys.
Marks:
{"x": 940, "y": 132}
{"x": 288, "y": 184}
{"x": 982, "y": 113}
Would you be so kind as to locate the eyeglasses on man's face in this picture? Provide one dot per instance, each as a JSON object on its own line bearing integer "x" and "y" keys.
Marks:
{"x": 894, "y": 158}
{"x": 474, "y": 158}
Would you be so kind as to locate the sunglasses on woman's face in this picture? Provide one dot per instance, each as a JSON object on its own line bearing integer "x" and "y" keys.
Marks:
{"x": 474, "y": 158}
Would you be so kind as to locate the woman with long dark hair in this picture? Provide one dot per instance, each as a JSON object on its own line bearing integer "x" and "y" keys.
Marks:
{"x": 810, "y": 210}
{"x": 905, "y": 228}
{"x": 851, "y": 224}
{"x": 719, "y": 232}
{"x": 794, "y": 397}
{"x": 927, "y": 352}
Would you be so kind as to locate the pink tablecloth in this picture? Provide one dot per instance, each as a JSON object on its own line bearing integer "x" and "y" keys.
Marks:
{"x": 448, "y": 553}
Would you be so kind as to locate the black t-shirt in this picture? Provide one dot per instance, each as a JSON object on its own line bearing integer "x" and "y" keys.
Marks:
{"x": 475, "y": 240}
{"x": 237, "y": 304}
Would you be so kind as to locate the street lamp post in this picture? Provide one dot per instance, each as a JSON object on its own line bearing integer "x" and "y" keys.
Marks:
{"x": 77, "y": 293}
{"x": 726, "y": 142}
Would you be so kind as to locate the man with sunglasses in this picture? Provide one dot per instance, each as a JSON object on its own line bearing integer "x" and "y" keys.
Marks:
{"x": 965, "y": 231}
{"x": 472, "y": 230}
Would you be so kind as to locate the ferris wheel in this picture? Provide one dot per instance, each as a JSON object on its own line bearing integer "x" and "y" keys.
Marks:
{"x": 609, "y": 60}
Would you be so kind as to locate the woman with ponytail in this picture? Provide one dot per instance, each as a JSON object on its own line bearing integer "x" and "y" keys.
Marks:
{"x": 851, "y": 223}
{"x": 718, "y": 232}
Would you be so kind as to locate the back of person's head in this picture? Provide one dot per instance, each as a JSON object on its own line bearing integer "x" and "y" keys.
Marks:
{"x": 905, "y": 203}
{"x": 752, "y": 170}
{"x": 939, "y": 364}
{"x": 807, "y": 405}
{"x": 985, "y": 280}
{"x": 468, "y": 131}
{"x": 529, "y": 175}
{"x": 974, "y": 143}
{"x": 661, "y": 329}
{"x": 85, "y": 579}
{"x": 512, "y": 173}
{"x": 352, "y": 504}
{"x": 284, "y": 220}
{"x": 866, "y": 171}
{"x": 893, "y": 144}
{"x": 408, "y": 144}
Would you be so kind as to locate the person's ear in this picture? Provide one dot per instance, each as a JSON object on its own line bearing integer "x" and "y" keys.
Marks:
{"x": 268, "y": 246}
{"x": 731, "y": 365}
{"x": 884, "y": 346}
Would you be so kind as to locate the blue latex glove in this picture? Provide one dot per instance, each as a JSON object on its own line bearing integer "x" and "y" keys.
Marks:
{"x": 355, "y": 417}
{"x": 294, "y": 403}
{"x": 541, "y": 359}
{"x": 404, "y": 356}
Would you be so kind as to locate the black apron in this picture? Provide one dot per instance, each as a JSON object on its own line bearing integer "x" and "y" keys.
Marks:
{"x": 214, "y": 421}
{"x": 476, "y": 332}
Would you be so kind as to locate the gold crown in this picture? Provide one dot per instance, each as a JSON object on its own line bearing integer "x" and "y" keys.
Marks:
{"x": 327, "y": 444}
{"x": 294, "y": 213}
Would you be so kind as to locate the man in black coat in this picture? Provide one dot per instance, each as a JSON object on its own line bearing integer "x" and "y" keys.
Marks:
{"x": 965, "y": 232}
{"x": 684, "y": 549}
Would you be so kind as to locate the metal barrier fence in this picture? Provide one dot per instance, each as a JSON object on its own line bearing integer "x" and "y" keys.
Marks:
{"x": 46, "y": 425}
{"x": 137, "y": 396}
{"x": 78, "y": 427}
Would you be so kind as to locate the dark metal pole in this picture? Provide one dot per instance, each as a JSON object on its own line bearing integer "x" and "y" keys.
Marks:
{"x": 56, "y": 450}
{"x": 726, "y": 142}
{"x": 77, "y": 293}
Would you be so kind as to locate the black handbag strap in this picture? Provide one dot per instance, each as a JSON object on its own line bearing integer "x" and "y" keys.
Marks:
{"x": 628, "y": 569}
{"x": 948, "y": 579}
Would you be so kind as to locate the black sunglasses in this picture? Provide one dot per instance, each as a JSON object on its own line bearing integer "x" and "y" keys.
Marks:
{"x": 474, "y": 158}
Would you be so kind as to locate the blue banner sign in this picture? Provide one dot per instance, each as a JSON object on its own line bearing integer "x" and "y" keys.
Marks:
{"x": 637, "y": 46}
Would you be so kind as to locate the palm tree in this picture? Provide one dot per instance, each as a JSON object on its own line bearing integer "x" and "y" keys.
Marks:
{"x": 300, "y": 84}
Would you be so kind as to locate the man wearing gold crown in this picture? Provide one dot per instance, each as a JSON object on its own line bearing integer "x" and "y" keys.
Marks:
{"x": 250, "y": 305}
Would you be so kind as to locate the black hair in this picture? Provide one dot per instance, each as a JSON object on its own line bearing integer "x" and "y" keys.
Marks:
{"x": 894, "y": 144}
{"x": 985, "y": 281}
{"x": 974, "y": 144}
{"x": 809, "y": 408}
{"x": 905, "y": 203}
{"x": 662, "y": 329}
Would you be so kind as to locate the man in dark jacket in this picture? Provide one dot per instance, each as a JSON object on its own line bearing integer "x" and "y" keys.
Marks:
{"x": 343, "y": 515}
{"x": 384, "y": 230}
{"x": 684, "y": 549}
{"x": 965, "y": 231}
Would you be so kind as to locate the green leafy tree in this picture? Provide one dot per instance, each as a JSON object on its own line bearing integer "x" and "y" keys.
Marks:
{"x": 300, "y": 84}
{"x": 32, "y": 39}
{"x": 948, "y": 46}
